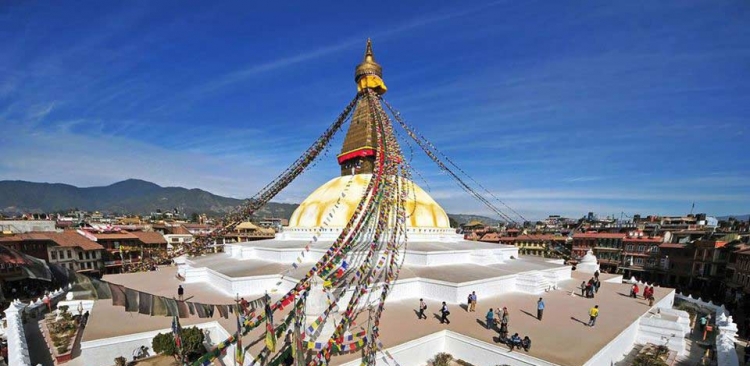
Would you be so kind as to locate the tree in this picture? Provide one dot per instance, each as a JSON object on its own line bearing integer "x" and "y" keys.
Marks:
{"x": 192, "y": 343}
{"x": 194, "y": 217}
{"x": 164, "y": 344}
{"x": 453, "y": 223}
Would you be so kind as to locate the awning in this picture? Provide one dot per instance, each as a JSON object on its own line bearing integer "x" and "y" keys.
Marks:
{"x": 32, "y": 268}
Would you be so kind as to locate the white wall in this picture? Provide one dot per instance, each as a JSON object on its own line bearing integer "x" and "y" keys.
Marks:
{"x": 480, "y": 353}
{"x": 104, "y": 351}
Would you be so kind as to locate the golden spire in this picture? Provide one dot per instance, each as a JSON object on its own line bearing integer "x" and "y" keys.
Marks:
{"x": 369, "y": 74}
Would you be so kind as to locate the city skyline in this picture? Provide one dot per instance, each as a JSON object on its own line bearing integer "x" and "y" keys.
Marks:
{"x": 621, "y": 107}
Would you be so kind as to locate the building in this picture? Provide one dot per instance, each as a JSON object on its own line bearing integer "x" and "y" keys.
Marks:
{"x": 247, "y": 231}
{"x": 8, "y": 227}
{"x": 539, "y": 245}
{"x": 678, "y": 258}
{"x": 641, "y": 258}
{"x": 274, "y": 223}
{"x": 176, "y": 237}
{"x": 741, "y": 266}
{"x": 68, "y": 249}
{"x": 607, "y": 248}
{"x": 709, "y": 264}
{"x": 128, "y": 248}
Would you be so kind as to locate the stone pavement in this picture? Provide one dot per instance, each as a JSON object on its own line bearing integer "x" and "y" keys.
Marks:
{"x": 561, "y": 337}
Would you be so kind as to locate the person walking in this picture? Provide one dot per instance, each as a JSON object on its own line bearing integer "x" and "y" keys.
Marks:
{"x": 422, "y": 308}
{"x": 490, "y": 319}
{"x": 539, "y": 309}
{"x": 593, "y": 314}
{"x": 703, "y": 321}
{"x": 506, "y": 317}
{"x": 444, "y": 314}
{"x": 180, "y": 292}
{"x": 473, "y": 301}
{"x": 583, "y": 288}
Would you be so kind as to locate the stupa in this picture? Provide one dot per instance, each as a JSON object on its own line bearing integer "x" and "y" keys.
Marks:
{"x": 589, "y": 263}
{"x": 439, "y": 264}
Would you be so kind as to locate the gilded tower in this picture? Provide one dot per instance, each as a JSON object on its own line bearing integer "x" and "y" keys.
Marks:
{"x": 358, "y": 151}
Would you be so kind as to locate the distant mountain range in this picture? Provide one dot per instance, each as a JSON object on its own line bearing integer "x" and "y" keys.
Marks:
{"x": 130, "y": 196}
{"x": 134, "y": 196}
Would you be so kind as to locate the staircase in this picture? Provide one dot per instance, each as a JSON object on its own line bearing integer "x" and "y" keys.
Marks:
{"x": 533, "y": 282}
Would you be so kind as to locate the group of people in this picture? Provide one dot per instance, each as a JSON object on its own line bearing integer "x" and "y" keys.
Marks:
{"x": 515, "y": 341}
{"x": 648, "y": 293}
{"x": 590, "y": 288}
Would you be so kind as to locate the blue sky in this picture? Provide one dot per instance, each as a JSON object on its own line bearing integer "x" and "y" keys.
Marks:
{"x": 557, "y": 108}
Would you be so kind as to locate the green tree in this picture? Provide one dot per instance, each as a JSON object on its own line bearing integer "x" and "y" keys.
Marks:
{"x": 164, "y": 344}
{"x": 194, "y": 217}
{"x": 192, "y": 343}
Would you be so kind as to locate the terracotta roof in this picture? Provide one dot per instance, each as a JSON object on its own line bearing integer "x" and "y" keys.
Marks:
{"x": 116, "y": 236}
{"x": 12, "y": 256}
{"x": 63, "y": 239}
{"x": 179, "y": 230}
{"x": 600, "y": 235}
{"x": 24, "y": 236}
{"x": 149, "y": 237}
{"x": 73, "y": 239}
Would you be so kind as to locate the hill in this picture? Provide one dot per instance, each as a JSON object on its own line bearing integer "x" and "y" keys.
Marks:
{"x": 465, "y": 218}
{"x": 130, "y": 196}
{"x": 134, "y": 196}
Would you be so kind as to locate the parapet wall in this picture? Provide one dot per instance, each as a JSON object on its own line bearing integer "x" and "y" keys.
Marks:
{"x": 727, "y": 331}
{"x": 18, "y": 349}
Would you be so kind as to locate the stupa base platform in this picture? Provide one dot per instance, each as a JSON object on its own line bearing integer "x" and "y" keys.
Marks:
{"x": 442, "y": 271}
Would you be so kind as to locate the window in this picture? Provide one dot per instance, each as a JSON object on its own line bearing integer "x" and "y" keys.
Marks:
{"x": 87, "y": 255}
{"x": 80, "y": 256}
{"x": 641, "y": 248}
{"x": 639, "y": 261}
{"x": 70, "y": 254}
{"x": 53, "y": 254}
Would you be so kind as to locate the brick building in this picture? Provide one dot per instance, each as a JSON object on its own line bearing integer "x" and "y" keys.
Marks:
{"x": 641, "y": 257}
{"x": 68, "y": 248}
{"x": 607, "y": 248}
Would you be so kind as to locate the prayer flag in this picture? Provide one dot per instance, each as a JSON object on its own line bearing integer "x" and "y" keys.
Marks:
{"x": 239, "y": 354}
{"x": 270, "y": 334}
{"x": 177, "y": 332}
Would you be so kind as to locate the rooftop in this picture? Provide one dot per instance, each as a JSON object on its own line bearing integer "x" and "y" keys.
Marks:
{"x": 149, "y": 237}
{"x": 565, "y": 313}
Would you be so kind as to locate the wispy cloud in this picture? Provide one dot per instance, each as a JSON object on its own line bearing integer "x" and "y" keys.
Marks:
{"x": 583, "y": 179}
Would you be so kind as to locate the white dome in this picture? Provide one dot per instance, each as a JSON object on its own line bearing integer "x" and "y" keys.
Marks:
{"x": 421, "y": 210}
